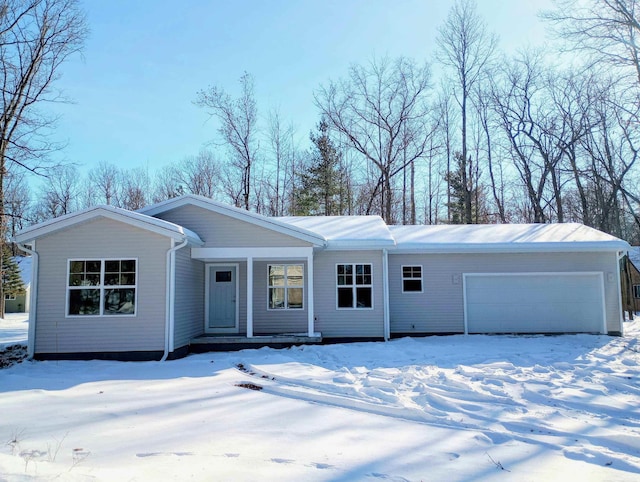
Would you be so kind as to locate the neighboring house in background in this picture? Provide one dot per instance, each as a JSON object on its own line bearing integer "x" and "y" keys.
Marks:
{"x": 190, "y": 273}
{"x": 632, "y": 291}
{"x": 20, "y": 303}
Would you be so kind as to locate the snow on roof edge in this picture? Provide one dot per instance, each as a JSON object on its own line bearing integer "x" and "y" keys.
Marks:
{"x": 141, "y": 220}
{"x": 204, "y": 202}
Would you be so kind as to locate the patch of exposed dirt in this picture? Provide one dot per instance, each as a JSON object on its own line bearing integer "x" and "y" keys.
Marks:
{"x": 12, "y": 354}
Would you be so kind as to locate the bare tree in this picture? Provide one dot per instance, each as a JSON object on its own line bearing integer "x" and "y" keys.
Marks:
{"x": 167, "y": 184}
{"x": 381, "y": 111}
{"x": 105, "y": 179}
{"x": 279, "y": 137}
{"x": 17, "y": 202}
{"x": 36, "y": 37}
{"x": 519, "y": 101}
{"x": 238, "y": 129}
{"x": 608, "y": 30}
{"x": 59, "y": 195}
{"x": 199, "y": 174}
{"x": 136, "y": 186}
{"x": 465, "y": 47}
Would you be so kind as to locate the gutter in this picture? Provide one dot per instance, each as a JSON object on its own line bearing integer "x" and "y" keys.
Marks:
{"x": 170, "y": 296}
{"x": 31, "y": 336}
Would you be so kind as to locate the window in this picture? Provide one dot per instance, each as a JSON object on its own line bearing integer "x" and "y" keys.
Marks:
{"x": 636, "y": 291}
{"x": 9, "y": 297}
{"x": 354, "y": 284}
{"x": 286, "y": 286}
{"x": 412, "y": 279}
{"x": 101, "y": 287}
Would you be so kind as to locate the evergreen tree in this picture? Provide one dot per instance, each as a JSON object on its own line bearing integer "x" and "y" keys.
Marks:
{"x": 459, "y": 192}
{"x": 324, "y": 189}
{"x": 11, "y": 278}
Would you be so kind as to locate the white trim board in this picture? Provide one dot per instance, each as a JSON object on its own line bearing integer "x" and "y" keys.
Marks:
{"x": 282, "y": 253}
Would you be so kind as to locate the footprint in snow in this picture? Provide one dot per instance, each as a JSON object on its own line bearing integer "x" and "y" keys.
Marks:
{"x": 282, "y": 461}
{"x": 393, "y": 478}
{"x": 318, "y": 465}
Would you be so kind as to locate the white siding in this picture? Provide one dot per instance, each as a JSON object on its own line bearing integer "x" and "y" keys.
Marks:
{"x": 439, "y": 309}
{"x": 101, "y": 238}
{"x": 349, "y": 323}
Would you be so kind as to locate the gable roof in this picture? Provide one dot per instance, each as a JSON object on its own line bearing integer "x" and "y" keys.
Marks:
{"x": 346, "y": 232}
{"x": 131, "y": 218}
{"x": 271, "y": 223}
{"x": 504, "y": 238}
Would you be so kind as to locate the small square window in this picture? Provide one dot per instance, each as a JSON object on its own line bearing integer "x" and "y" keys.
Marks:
{"x": 412, "y": 279}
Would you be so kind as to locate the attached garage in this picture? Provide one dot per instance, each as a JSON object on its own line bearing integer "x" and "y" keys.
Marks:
{"x": 534, "y": 302}
{"x": 507, "y": 278}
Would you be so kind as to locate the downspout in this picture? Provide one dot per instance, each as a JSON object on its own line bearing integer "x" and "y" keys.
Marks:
{"x": 31, "y": 334}
{"x": 385, "y": 293}
{"x": 170, "y": 298}
{"x": 619, "y": 256}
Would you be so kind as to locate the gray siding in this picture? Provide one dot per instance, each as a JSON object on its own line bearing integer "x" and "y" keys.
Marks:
{"x": 101, "y": 238}
{"x": 218, "y": 230}
{"x": 189, "y": 298}
{"x": 349, "y": 323}
{"x": 267, "y": 321}
{"x": 440, "y": 308}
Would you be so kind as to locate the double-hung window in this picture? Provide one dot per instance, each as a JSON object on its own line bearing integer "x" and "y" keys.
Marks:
{"x": 286, "y": 286}
{"x": 354, "y": 285}
{"x": 101, "y": 287}
{"x": 412, "y": 279}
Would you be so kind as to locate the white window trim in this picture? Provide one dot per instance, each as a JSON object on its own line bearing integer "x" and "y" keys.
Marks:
{"x": 353, "y": 287}
{"x": 101, "y": 287}
{"x": 421, "y": 278}
{"x": 286, "y": 287}
{"x": 9, "y": 297}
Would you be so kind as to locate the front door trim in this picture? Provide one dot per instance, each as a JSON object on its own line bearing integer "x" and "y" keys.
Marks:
{"x": 209, "y": 270}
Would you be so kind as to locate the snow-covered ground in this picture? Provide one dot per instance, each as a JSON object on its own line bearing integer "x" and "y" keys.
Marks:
{"x": 438, "y": 408}
{"x": 13, "y": 329}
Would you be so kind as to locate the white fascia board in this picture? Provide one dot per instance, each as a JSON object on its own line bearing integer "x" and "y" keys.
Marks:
{"x": 236, "y": 213}
{"x": 355, "y": 245}
{"x": 415, "y": 248}
{"x": 141, "y": 221}
{"x": 255, "y": 253}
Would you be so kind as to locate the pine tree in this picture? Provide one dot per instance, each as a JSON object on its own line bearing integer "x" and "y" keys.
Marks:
{"x": 11, "y": 278}
{"x": 459, "y": 192}
{"x": 324, "y": 190}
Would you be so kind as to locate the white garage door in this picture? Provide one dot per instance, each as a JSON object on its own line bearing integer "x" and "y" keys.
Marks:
{"x": 534, "y": 303}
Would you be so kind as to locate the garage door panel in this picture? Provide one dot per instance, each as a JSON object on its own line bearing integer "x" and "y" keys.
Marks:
{"x": 534, "y": 303}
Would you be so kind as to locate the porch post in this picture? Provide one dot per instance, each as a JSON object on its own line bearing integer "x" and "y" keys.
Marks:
{"x": 249, "y": 297}
{"x": 310, "y": 321}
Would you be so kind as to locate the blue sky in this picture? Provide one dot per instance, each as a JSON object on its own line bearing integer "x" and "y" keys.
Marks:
{"x": 144, "y": 61}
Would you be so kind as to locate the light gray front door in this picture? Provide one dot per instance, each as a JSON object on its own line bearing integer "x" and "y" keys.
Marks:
{"x": 222, "y": 315}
